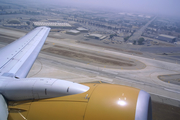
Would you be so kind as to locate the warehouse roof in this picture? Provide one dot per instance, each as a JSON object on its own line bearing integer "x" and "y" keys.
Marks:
{"x": 52, "y": 24}
{"x": 99, "y": 36}
{"x": 82, "y": 29}
{"x": 73, "y": 31}
{"x": 167, "y": 36}
{"x": 95, "y": 35}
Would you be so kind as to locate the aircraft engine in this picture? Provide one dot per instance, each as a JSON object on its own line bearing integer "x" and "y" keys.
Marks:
{"x": 100, "y": 102}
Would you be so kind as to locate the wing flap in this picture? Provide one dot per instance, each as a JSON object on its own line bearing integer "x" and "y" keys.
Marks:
{"x": 19, "y": 56}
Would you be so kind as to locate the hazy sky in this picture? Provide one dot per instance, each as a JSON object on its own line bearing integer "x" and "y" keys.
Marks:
{"x": 155, "y": 6}
{"x": 168, "y": 7}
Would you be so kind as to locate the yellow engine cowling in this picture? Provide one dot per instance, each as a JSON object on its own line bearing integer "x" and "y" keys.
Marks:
{"x": 100, "y": 102}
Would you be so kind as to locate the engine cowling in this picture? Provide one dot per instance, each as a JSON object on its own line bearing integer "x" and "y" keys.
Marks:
{"x": 100, "y": 102}
{"x": 39, "y": 88}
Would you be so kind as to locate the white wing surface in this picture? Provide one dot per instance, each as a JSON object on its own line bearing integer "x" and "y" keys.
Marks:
{"x": 17, "y": 58}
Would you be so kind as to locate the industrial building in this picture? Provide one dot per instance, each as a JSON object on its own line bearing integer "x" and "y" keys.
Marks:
{"x": 15, "y": 25}
{"x": 166, "y": 38}
{"x": 82, "y": 29}
{"x": 52, "y": 24}
{"x": 96, "y": 36}
{"x": 72, "y": 32}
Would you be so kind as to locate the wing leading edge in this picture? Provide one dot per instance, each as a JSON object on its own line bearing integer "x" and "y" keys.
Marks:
{"x": 18, "y": 57}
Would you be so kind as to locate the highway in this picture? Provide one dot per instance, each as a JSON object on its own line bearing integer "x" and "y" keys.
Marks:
{"x": 138, "y": 33}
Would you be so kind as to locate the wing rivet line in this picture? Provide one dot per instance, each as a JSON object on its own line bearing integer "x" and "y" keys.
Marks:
{"x": 25, "y": 44}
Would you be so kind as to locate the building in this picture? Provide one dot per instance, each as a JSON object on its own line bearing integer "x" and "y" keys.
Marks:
{"x": 166, "y": 38}
{"x": 16, "y": 25}
{"x": 53, "y": 20}
{"x": 96, "y": 36}
{"x": 52, "y": 24}
{"x": 82, "y": 29}
{"x": 72, "y": 32}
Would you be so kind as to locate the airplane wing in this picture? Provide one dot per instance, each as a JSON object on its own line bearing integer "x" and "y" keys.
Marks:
{"x": 17, "y": 58}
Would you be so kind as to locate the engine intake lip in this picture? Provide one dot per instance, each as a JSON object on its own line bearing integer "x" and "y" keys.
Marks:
{"x": 143, "y": 107}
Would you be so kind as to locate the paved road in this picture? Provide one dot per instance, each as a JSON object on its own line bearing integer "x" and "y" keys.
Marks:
{"x": 138, "y": 33}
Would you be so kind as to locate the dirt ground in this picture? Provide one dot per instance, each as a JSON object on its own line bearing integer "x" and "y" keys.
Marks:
{"x": 7, "y": 39}
{"x": 88, "y": 57}
{"x": 173, "y": 79}
{"x": 118, "y": 49}
{"x": 97, "y": 59}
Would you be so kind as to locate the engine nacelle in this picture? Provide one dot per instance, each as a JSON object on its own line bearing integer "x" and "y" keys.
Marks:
{"x": 39, "y": 88}
{"x": 100, "y": 102}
